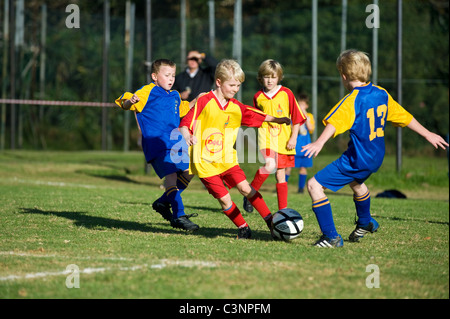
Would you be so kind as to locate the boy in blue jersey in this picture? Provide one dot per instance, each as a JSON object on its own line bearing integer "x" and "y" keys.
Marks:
{"x": 158, "y": 111}
{"x": 364, "y": 112}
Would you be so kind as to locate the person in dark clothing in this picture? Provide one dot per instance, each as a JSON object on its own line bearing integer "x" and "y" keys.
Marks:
{"x": 196, "y": 79}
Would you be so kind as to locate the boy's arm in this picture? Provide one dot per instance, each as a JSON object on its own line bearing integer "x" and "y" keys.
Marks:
{"x": 434, "y": 139}
{"x": 278, "y": 120}
{"x": 126, "y": 105}
{"x": 313, "y": 149}
{"x": 190, "y": 139}
{"x": 293, "y": 140}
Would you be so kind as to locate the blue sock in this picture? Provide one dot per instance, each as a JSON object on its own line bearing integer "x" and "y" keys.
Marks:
{"x": 182, "y": 184}
{"x": 174, "y": 197}
{"x": 322, "y": 209}
{"x": 362, "y": 204}
{"x": 301, "y": 181}
{"x": 287, "y": 178}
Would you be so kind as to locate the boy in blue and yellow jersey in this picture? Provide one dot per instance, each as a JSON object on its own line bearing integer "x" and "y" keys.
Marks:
{"x": 276, "y": 142}
{"x": 158, "y": 111}
{"x": 303, "y": 162}
{"x": 364, "y": 112}
{"x": 211, "y": 129}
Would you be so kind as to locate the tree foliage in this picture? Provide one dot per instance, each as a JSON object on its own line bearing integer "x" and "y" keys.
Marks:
{"x": 271, "y": 29}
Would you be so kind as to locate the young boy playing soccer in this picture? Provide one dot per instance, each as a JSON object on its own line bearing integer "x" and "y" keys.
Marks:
{"x": 158, "y": 111}
{"x": 211, "y": 129}
{"x": 303, "y": 162}
{"x": 276, "y": 142}
{"x": 364, "y": 112}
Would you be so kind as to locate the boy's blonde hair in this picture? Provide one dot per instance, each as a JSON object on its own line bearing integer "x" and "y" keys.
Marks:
{"x": 229, "y": 69}
{"x": 355, "y": 65}
{"x": 270, "y": 67}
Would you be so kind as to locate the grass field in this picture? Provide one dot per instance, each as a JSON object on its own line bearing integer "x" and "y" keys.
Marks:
{"x": 92, "y": 210}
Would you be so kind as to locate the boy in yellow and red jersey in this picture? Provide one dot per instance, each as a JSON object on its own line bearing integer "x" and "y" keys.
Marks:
{"x": 210, "y": 129}
{"x": 276, "y": 142}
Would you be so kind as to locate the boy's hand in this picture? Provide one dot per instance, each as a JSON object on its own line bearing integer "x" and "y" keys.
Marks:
{"x": 190, "y": 139}
{"x": 291, "y": 144}
{"x": 278, "y": 120}
{"x": 312, "y": 149}
{"x": 134, "y": 99}
{"x": 284, "y": 120}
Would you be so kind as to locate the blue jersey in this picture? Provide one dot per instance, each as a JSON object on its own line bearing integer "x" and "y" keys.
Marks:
{"x": 158, "y": 114}
{"x": 364, "y": 112}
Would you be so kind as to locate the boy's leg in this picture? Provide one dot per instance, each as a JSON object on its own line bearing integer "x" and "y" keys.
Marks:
{"x": 232, "y": 211}
{"x": 302, "y": 175}
{"x": 256, "y": 199}
{"x": 361, "y": 198}
{"x": 183, "y": 180}
{"x": 282, "y": 188}
{"x": 172, "y": 193}
{"x": 322, "y": 209}
{"x": 261, "y": 176}
{"x": 216, "y": 188}
{"x": 365, "y": 222}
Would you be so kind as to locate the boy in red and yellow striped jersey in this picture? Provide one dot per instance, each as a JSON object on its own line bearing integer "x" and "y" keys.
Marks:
{"x": 210, "y": 129}
{"x": 276, "y": 142}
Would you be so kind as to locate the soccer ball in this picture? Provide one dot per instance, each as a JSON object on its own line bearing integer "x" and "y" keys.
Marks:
{"x": 287, "y": 224}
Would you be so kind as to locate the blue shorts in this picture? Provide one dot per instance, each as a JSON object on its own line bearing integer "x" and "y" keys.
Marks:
{"x": 334, "y": 178}
{"x": 303, "y": 161}
{"x": 170, "y": 162}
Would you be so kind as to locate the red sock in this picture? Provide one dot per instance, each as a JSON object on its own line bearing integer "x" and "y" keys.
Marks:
{"x": 282, "y": 192}
{"x": 234, "y": 214}
{"x": 260, "y": 205}
{"x": 260, "y": 177}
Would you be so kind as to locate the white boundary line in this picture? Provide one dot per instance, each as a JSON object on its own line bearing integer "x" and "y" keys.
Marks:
{"x": 160, "y": 265}
{"x": 49, "y": 183}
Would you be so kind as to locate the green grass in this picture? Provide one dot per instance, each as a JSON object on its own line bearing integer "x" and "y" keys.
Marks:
{"x": 93, "y": 210}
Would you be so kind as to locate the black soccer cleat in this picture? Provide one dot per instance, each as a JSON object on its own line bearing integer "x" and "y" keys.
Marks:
{"x": 163, "y": 209}
{"x": 184, "y": 223}
{"x": 248, "y": 207}
{"x": 360, "y": 231}
{"x": 244, "y": 233}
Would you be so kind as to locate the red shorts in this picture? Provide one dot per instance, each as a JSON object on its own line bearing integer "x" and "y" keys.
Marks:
{"x": 231, "y": 178}
{"x": 282, "y": 160}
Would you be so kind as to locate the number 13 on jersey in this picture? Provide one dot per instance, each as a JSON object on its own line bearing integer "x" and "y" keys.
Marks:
{"x": 377, "y": 121}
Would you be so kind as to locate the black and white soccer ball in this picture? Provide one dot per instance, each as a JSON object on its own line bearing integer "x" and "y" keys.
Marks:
{"x": 287, "y": 224}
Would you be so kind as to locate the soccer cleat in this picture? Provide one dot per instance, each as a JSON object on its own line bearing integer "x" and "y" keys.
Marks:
{"x": 244, "y": 233}
{"x": 183, "y": 222}
{"x": 360, "y": 231}
{"x": 327, "y": 242}
{"x": 163, "y": 209}
{"x": 248, "y": 207}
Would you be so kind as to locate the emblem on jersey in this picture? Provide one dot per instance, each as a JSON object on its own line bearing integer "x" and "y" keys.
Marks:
{"x": 228, "y": 121}
{"x": 274, "y": 129}
{"x": 279, "y": 110}
{"x": 214, "y": 142}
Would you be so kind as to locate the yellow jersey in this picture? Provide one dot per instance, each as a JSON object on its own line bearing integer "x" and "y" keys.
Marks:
{"x": 216, "y": 129}
{"x": 283, "y": 104}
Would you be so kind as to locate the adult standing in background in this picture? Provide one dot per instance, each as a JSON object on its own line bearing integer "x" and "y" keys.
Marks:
{"x": 196, "y": 79}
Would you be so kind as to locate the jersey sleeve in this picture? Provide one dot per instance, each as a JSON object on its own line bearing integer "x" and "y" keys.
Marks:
{"x": 397, "y": 114}
{"x": 184, "y": 108}
{"x": 143, "y": 94}
{"x": 342, "y": 115}
{"x": 189, "y": 119}
{"x": 251, "y": 116}
{"x": 312, "y": 122}
{"x": 297, "y": 116}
